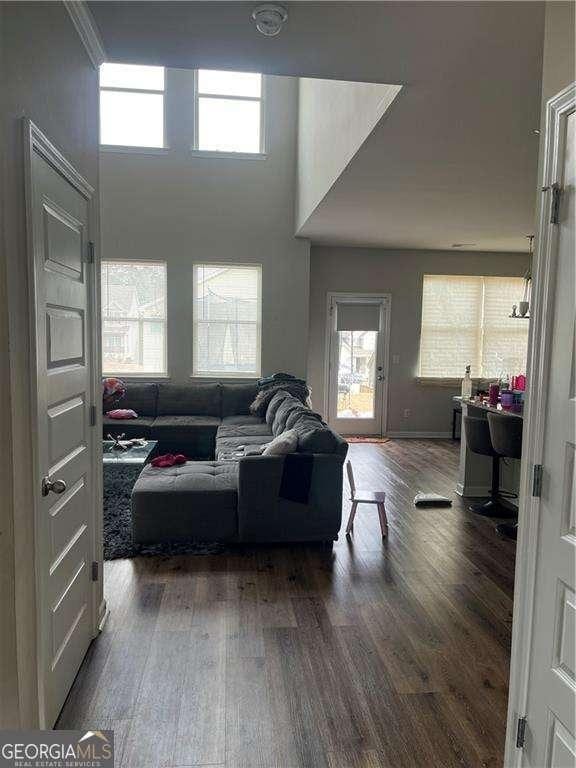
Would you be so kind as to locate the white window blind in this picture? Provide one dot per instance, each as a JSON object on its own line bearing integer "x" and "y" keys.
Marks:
{"x": 465, "y": 322}
{"x": 228, "y": 112}
{"x": 134, "y": 318}
{"x": 131, "y": 105}
{"x": 227, "y": 320}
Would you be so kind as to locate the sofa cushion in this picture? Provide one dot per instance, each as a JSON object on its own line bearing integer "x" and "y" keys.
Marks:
{"x": 142, "y": 398}
{"x": 186, "y": 429}
{"x": 197, "y": 500}
{"x": 227, "y": 445}
{"x": 189, "y": 399}
{"x": 242, "y": 420}
{"x": 273, "y": 406}
{"x": 243, "y": 430}
{"x": 237, "y": 398}
{"x": 299, "y": 412}
{"x": 315, "y": 437}
{"x": 286, "y": 406}
{"x": 139, "y": 427}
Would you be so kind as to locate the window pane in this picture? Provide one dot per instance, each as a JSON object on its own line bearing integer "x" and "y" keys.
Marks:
{"x": 132, "y": 76}
{"x": 226, "y": 320}
{"x": 451, "y": 325}
{"x": 131, "y": 119}
{"x": 356, "y": 374}
{"x": 228, "y": 126}
{"x": 465, "y": 322}
{"x": 505, "y": 348}
{"x": 134, "y": 317}
{"x": 229, "y": 83}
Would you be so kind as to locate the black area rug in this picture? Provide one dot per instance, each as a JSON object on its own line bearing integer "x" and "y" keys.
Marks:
{"x": 118, "y": 543}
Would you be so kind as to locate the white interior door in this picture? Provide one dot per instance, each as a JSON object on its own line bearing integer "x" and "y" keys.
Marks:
{"x": 550, "y": 714}
{"x": 358, "y": 330}
{"x": 58, "y": 211}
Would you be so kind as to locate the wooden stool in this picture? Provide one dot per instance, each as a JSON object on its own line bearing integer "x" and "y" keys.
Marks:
{"x": 365, "y": 497}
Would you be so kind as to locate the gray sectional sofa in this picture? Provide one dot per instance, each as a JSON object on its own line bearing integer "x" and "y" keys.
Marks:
{"x": 223, "y": 494}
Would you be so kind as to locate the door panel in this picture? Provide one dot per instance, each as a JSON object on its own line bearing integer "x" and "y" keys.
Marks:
{"x": 59, "y": 213}
{"x": 358, "y": 358}
{"x": 552, "y": 687}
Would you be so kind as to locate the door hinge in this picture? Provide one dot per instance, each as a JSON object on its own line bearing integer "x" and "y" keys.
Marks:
{"x": 537, "y": 474}
{"x": 90, "y": 253}
{"x": 95, "y": 570}
{"x": 556, "y": 191}
{"x": 92, "y": 415}
{"x": 521, "y": 733}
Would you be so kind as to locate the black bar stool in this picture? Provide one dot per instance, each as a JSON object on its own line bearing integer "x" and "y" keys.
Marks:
{"x": 506, "y": 437}
{"x": 478, "y": 440}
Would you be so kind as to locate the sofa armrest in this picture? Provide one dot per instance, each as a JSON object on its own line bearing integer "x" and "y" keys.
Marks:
{"x": 264, "y": 515}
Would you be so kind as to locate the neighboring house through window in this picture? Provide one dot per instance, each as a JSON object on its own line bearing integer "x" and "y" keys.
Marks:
{"x": 465, "y": 321}
{"x": 227, "y": 320}
{"x": 134, "y": 318}
{"x": 228, "y": 112}
{"x": 131, "y": 105}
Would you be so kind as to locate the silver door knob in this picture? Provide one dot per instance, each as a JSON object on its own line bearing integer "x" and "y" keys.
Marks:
{"x": 56, "y": 486}
{"x": 380, "y": 378}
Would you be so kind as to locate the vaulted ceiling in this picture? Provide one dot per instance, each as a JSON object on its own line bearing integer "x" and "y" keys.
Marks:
{"x": 453, "y": 160}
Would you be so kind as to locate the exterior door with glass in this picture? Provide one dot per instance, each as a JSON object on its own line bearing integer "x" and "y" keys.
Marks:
{"x": 358, "y": 331}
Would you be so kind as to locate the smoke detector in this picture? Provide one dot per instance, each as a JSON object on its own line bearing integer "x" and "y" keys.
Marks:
{"x": 269, "y": 18}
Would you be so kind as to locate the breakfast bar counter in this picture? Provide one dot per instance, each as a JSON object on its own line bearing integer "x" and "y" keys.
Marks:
{"x": 475, "y": 471}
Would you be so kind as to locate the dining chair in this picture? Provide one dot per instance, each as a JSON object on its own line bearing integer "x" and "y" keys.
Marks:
{"x": 365, "y": 497}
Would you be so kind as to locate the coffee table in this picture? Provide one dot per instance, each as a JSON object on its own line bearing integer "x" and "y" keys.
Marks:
{"x": 133, "y": 457}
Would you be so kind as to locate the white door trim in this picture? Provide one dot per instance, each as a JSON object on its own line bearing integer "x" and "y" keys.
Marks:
{"x": 331, "y": 297}
{"x": 540, "y": 344}
{"x": 35, "y": 140}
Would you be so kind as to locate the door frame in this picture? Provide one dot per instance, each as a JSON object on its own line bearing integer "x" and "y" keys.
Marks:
{"x": 35, "y": 141}
{"x": 540, "y": 346}
{"x": 331, "y": 297}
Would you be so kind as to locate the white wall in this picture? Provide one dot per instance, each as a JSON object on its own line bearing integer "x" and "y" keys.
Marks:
{"x": 45, "y": 74}
{"x": 373, "y": 270}
{"x": 335, "y": 118}
{"x": 185, "y": 209}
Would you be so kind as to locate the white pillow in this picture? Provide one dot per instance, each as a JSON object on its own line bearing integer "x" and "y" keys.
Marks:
{"x": 286, "y": 442}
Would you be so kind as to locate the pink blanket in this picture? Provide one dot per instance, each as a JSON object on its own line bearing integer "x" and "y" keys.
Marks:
{"x": 122, "y": 413}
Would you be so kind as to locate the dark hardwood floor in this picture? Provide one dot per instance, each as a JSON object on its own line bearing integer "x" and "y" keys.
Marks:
{"x": 373, "y": 655}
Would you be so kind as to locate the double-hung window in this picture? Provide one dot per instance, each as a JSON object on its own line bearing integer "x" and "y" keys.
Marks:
{"x": 134, "y": 318}
{"x": 465, "y": 321}
{"x": 227, "y": 320}
{"x": 228, "y": 111}
{"x": 131, "y": 105}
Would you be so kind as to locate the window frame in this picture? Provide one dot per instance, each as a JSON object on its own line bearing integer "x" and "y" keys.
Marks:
{"x": 226, "y": 154}
{"x": 126, "y": 375}
{"x": 236, "y": 375}
{"x": 452, "y": 381}
{"x": 132, "y": 148}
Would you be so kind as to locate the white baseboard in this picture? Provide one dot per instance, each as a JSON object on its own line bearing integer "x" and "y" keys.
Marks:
{"x": 421, "y": 435}
{"x": 473, "y": 491}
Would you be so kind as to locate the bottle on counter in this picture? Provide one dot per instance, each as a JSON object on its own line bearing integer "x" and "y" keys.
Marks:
{"x": 493, "y": 394}
{"x": 467, "y": 385}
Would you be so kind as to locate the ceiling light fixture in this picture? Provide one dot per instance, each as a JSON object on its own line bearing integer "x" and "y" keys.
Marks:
{"x": 269, "y": 18}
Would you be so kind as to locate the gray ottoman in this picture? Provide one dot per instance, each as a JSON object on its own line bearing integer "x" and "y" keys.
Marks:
{"x": 197, "y": 500}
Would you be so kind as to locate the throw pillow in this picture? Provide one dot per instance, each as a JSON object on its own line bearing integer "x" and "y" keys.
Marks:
{"x": 285, "y": 443}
